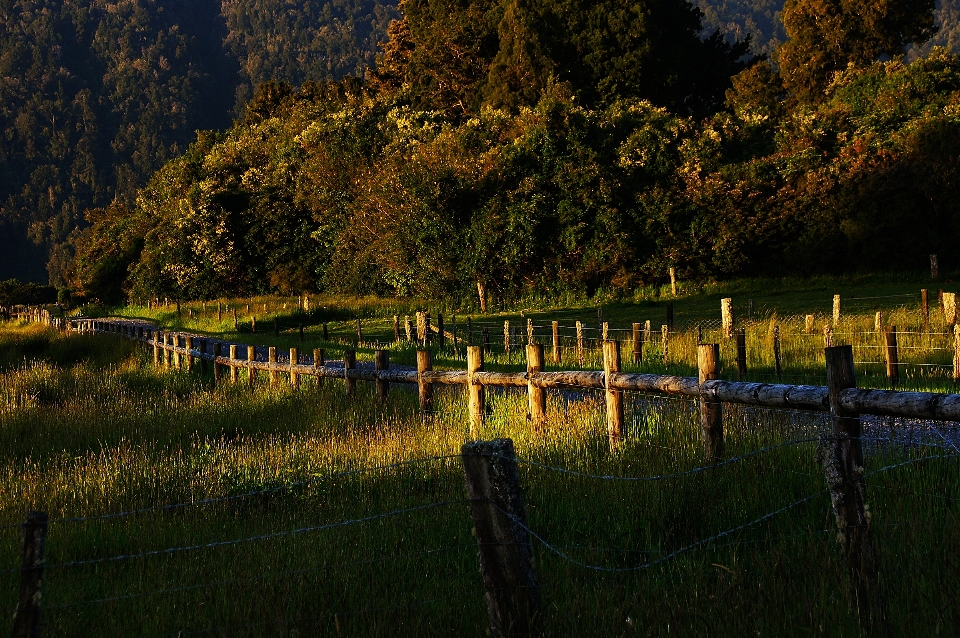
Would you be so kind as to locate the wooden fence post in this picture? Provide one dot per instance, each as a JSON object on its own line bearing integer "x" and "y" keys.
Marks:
{"x": 318, "y": 362}
{"x": 637, "y": 345}
{"x": 950, "y": 308}
{"x": 236, "y": 320}
{"x": 421, "y": 327}
{"x": 726, "y": 316}
{"x": 233, "y": 363}
{"x": 557, "y": 354}
{"x": 349, "y": 363}
{"x": 842, "y": 461}
{"x": 810, "y": 324}
{"x": 536, "y": 397}
{"x": 294, "y": 375}
{"x": 647, "y": 331}
{"x": 614, "y": 399}
{"x": 836, "y": 310}
{"x": 425, "y": 364}
{"x": 359, "y": 332}
{"x": 579, "y": 343}
{"x": 673, "y": 281}
{"x": 408, "y": 328}
{"x": 156, "y": 349}
{"x": 665, "y": 333}
{"x": 878, "y": 322}
{"x": 272, "y": 359}
{"x": 177, "y": 357}
{"x": 529, "y": 331}
{"x": 742, "y": 353}
{"x": 253, "y": 325}
{"x": 506, "y": 338}
{"x": 778, "y": 364}
{"x": 924, "y": 309}
{"x": 381, "y": 360}
{"x": 604, "y": 331}
{"x": 711, "y": 412}
{"x": 251, "y": 372}
{"x": 26, "y": 620}
{"x": 217, "y": 368}
{"x": 934, "y": 267}
{"x": 396, "y": 328}
{"x": 827, "y": 337}
{"x": 500, "y": 523}
{"x": 326, "y": 334}
{"x": 893, "y": 362}
{"x": 475, "y": 391}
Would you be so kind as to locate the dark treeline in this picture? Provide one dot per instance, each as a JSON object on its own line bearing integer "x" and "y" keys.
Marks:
{"x": 514, "y": 145}
{"x": 95, "y": 96}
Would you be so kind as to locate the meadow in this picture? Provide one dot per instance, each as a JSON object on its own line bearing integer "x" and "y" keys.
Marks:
{"x": 182, "y": 507}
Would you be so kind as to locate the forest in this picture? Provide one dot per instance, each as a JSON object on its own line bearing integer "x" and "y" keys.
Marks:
{"x": 487, "y": 145}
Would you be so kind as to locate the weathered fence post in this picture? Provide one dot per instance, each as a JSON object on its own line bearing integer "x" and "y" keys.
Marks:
{"x": 778, "y": 364}
{"x": 233, "y": 363}
{"x": 294, "y": 375}
{"x": 726, "y": 316}
{"x": 425, "y": 364}
{"x": 359, "y": 331}
{"x": 934, "y": 267}
{"x": 217, "y": 368}
{"x": 604, "y": 331}
{"x": 673, "y": 281}
{"x": 924, "y": 309}
{"x": 647, "y": 331}
{"x": 349, "y": 363}
{"x": 506, "y": 338}
{"x": 711, "y": 412}
{"x": 529, "y": 331}
{"x": 396, "y": 328}
{"x": 665, "y": 333}
{"x": 475, "y": 391}
{"x": 536, "y": 397}
{"x": 842, "y": 461}
{"x": 26, "y": 620}
{"x": 318, "y": 362}
{"x": 177, "y": 357}
{"x": 810, "y": 324}
{"x": 950, "y": 308}
{"x": 836, "y": 310}
{"x": 557, "y": 354}
{"x": 253, "y": 325}
{"x": 614, "y": 399}
{"x": 827, "y": 337}
{"x": 878, "y": 322}
{"x": 272, "y": 360}
{"x": 408, "y": 328}
{"x": 742, "y": 353}
{"x": 381, "y": 361}
{"x": 421, "y": 327}
{"x": 251, "y": 372}
{"x": 500, "y": 523}
{"x": 890, "y": 348}
{"x": 579, "y": 343}
{"x": 637, "y": 345}
{"x": 156, "y": 349}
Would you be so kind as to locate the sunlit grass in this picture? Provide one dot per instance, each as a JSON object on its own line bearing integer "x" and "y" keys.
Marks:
{"x": 85, "y": 438}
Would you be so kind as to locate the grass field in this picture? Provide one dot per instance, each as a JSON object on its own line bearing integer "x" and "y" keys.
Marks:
{"x": 89, "y": 428}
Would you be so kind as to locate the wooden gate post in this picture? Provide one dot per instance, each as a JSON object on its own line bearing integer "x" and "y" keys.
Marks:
{"x": 637, "y": 345}
{"x": 614, "y": 398}
{"x": 294, "y": 375}
{"x": 349, "y": 363}
{"x": 475, "y": 391}
{"x": 536, "y": 396}
{"x": 711, "y": 412}
{"x": 500, "y": 523}
{"x": 842, "y": 460}
{"x": 742, "y": 353}
{"x": 381, "y": 360}
{"x": 425, "y": 364}
{"x": 26, "y": 620}
{"x": 251, "y": 373}
{"x": 893, "y": 358}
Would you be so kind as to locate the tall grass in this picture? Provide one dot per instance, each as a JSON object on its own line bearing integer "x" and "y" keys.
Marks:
{"x": 83, "y": 438}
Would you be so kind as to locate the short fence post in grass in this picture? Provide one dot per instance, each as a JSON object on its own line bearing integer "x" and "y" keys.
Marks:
{"x": 711, "y": 412}
{"x": 842, "y": 462}
{"x": 233, "y": 363}
{"x": 950, "y": 308}
{"x": 475, "y": 391}
{"x": 893, "y": 361}
{"x": 777, "y": 362}
{"x": 529, "y": 331}
{"x": 349, "y": 363}
{"x": 26, "y": 620}
{"x": 673, "y": 281}
{"x": 500, "y": 523}
{"x": 637, "y": 344}
{"x": 486, "y": 340}
{"x": 408, "y": 328}
{"x": 217, "y": 368}
{"x": 359, "y": 332}
{"x": 924, "y": 309}
{"x": 579, "y": 343}
{"x": 647, "y": 331}
{"x": 272, "y": 360}
{"x": 326, "y": 333}
{"x": 670, "y": 315}
{"x": 742, "y": 354}
{"x": 219, "y": 312}
{"x": 810, "y": 324}
{"x": 425, "y": 364}
{"x": 956, "y": 353}
{"x": 827, "y": 337}
{"x": 878, "y": 322}
{"x": 506, "y": 338}
{"x": 251, "y": 372}
{"x": 294, "y": 375}
{"x": 614, "y": 399}
{"x": 253, "y": 325}
{"x": 396, "y": 328}
{"x": 536, "y": 396}
{"x": 726, "y": 316}
{"x": 557, "y": 354}
{"x": 156, "y": 349}
{"x": 665, "y": 333}
{"x": 934, "y": 267}
{"x": 836, "y": 310}
{"x": 421, "y": 327}
{"x": 604, "y": 331}
{"x": 441, "y": 338}
{"x": 318, "y": 362}
{"x": 381, "y": 361}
